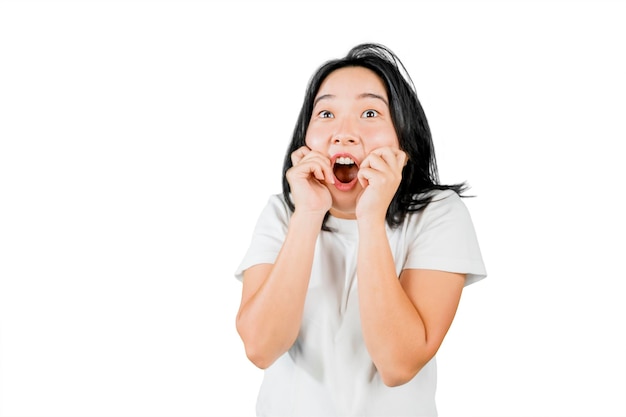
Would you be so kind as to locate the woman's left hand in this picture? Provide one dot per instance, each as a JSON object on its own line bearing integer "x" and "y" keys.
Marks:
{"x": 380, "y": 174}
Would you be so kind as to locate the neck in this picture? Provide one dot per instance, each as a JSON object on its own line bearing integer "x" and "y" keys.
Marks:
{"x": 350, "y": 215}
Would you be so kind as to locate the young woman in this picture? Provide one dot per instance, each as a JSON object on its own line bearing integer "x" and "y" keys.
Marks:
{"x": 355, "y": 271}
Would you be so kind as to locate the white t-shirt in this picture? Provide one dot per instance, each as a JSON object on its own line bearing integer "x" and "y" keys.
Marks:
{"x": 328, "y": 371}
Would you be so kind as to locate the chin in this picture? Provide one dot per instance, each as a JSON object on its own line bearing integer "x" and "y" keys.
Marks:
{"x": 345, "y": 202}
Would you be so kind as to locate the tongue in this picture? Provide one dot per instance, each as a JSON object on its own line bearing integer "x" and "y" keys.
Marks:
{"x": 345, "y": 173}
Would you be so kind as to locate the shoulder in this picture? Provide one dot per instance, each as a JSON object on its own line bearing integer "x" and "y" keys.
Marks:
{"x": 275, "y": 210}
{"x": 443, "y": 204}
{"x": 277, "y": 202}
{"x": 444, "y": 197}
{"x": 442, "y": 237}
{"x": 445, "y": 214}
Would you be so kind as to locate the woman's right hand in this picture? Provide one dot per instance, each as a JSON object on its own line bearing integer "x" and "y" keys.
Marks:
{"x": 307, "y": 178}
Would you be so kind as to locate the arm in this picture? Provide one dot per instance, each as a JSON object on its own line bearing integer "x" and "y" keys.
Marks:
{"x": 273, "y": 295}
{"x": 403, "y": 320}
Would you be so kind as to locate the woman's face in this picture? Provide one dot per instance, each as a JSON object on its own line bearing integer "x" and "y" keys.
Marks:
{"x": 350, "y": 119}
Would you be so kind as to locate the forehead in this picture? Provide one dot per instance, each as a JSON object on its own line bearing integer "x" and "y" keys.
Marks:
{"x": 352, "y": 81}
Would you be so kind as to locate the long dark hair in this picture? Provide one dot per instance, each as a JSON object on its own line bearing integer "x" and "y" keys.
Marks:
{"x": 420, "y": 176}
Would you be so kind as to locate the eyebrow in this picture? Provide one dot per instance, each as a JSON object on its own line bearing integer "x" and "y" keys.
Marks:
{"x": 372, "y": 95}
{"x": 363, "y": 95}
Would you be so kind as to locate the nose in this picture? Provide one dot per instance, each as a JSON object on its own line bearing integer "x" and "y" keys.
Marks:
{"x": 346, "y": 134}
{"x": 344, "y": 139}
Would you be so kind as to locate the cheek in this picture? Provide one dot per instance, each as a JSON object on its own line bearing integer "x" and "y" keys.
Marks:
{"x": 314, "y": 138}
{"x": 379, "y": 138}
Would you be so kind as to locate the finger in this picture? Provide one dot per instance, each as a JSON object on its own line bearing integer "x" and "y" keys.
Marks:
{"x": 365, "y": 172}
{"x": 396, "y": 159}
{"x": 389, "y": 155}
{"x": 370, "y": 174}
{"x": 328, "y": 174}
{"x": 365, "y": 164}
{"x": 363, "y": 176}
{"x": 317, "y": 167}
{"x": 323, "y": 162}
{"x": 318, "y": 173}
{"x": 402, "y": 157}
{"x": 299, "y": 154}
{"x": 375, "y": 161}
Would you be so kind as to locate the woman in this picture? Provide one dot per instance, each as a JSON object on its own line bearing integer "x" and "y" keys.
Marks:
{"x": 355, "y": 272}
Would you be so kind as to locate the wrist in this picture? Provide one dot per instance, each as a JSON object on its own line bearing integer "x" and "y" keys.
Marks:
{"x": 369, "y": 224}
{"x": 307, "y": 219}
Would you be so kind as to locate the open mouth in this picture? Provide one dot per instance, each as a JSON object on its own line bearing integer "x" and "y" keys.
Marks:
{"x": 345, "y": 169}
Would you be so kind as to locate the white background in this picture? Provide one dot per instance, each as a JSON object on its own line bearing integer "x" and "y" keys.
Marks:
{"x": 140, "y": 140}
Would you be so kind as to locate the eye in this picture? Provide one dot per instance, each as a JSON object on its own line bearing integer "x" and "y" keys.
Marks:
{"x": 369, "y": 113}
{"x": 325, "y": 114}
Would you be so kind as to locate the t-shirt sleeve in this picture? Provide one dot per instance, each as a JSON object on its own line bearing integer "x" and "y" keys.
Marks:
{"x": 446, "y": 239}
{"x": 268, "y": 236}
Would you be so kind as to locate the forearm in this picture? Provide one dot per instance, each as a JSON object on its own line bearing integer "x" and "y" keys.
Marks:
{"x": 393, "y": 330}
{"x": 269, "y": 321}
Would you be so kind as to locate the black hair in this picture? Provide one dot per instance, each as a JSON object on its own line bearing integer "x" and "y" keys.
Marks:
{"x": 420, "y": 176}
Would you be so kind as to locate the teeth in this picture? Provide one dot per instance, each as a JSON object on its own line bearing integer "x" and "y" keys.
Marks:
{"x": 344, "y": 160}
